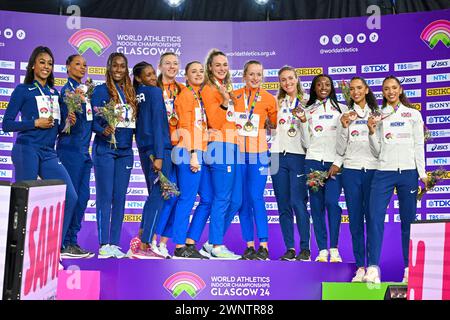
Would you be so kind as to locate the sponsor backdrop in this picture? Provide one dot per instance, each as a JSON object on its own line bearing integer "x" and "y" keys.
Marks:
{"x": 414, "y": 47}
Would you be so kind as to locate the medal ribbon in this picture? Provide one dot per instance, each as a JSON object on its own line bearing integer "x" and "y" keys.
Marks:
{"x": 199, "y": 100}
{"x": 50, "y": 99}
{"x": 247, "y": 102}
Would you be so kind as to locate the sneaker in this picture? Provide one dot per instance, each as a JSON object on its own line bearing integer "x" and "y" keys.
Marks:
{"x": 83, "y": 251}
{"x": 372, "y": 275}
{"x": 289, "y": 255}
{"x": 249, "y": 254}
{"x": 222, "y": 252}
{"x": 135, "y": 245}
{"x": 405, "y": 275}
{"x": 262, "y": 254}
{"x": 206, "y": 249}
{"x": 105, "y": 252}
{"x": 71, "y": 252}
{"x": 187, "y": 252}
{"x": 304, "y": 255}
{"x": 115, "y": 250}
{"x": 146, "y": 254}
{"x": 163, "y": 251}
{"x": 359, "y": 276}
{"x": 334, "y": 255}
{"x": 323, "y": 256}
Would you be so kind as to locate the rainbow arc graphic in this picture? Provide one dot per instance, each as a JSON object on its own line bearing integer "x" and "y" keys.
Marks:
{"x": 436, "y": 31}
{"x": 184, "y": 281}
{"x": 89, "y": 38}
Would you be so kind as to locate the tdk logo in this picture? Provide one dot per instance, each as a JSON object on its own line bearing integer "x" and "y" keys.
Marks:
{"x": 441, "y": 203}
{"x": 375, "y": 68}
{"x": 438, "y": 119}
{"x": 342, "y": 70}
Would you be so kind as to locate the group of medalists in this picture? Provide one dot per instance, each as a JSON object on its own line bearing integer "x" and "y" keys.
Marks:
{"x": 211, "y": 141}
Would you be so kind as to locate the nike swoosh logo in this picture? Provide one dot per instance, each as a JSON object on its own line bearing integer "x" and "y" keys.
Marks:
{"x": 299, "y": 175}
{"x": 412, "y": 191}
{"x": 59, "y": 162}
{"x": 129, "y": 167}
{"x": 31, "y": 89}
{"x": 261, "y": 169}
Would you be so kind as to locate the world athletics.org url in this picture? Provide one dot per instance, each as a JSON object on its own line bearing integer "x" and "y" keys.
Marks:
{"x": 338, "y": 50}
{"x": 252, "y": 54}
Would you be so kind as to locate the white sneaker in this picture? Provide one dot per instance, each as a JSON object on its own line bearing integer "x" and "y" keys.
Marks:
{"x": 323, "y": 256}
{"x": 162, "y": 249}
{"x": 206, "y": 249}
{"x": 116, "y": 253}
{"x": 372, "y": 275}
{"x": 334, "y": 255}
{"x": 105, "y": 252}
{"x": 359, "y": 276}
{"x": 405, "y": 275}
{"x": 222, "y": 252}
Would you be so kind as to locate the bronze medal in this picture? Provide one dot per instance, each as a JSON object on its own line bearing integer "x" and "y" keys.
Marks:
{"x": 248, "y": 126}
{"x": 292, "y": 132}
{"x": 173, "y": 121}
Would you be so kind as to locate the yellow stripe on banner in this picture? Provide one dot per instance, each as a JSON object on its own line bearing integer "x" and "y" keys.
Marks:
{"x": 444, "y": 91}
{"x": 417, "y": 106}
{"x": 132, "y": 218}
{"x": 309, "y": 71}
{"x": 270, "y": 85}
{"x": 447, "y": 176}
{"x": 3, "y": 104}
{"x": 59, "y": 82}
{"x": 97, "y": 70}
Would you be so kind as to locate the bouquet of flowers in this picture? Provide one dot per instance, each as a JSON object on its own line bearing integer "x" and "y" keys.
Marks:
{"x": 168, "y": 188}
{"x": 345, "y": 88}
{"x": 90, "y": 86}
{"x": 73, "y": 101}
{"x": 316, "y": 179}
{"x": 434, "y": 177}
{"x": 112, "y": 116}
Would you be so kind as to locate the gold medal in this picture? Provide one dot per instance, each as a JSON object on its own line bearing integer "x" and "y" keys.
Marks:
{"x": 292, "y": 132}
{"x": 173, "y": 121}
{"x": 248, "y": 126}
{"x": 229, "y": 87}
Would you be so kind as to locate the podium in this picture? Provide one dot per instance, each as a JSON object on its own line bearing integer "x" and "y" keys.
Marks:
{"x": 35, "y": 220}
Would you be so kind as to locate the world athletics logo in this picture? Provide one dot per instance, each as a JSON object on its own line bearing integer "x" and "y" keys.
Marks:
{"x": 93, "y": 39}
{"x": 436, "y": 31}
{"x": 184, "y": 281}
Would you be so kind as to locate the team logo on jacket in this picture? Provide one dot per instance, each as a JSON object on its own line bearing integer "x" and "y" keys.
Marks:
{"x": 318, "y": 128}
{"x": 389, "y": 135}
{"x": 238, "y": 126}
{"x": 282, "y": 121}
{"x": 43, "y": 110}
{"x": 355, "y": 133}
{"x": 89, "y": 111}
{"x": 406, "y": 114}
{"x": 230, "y": 113}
